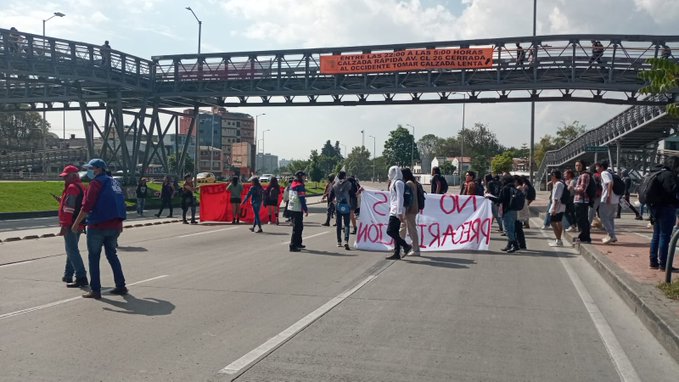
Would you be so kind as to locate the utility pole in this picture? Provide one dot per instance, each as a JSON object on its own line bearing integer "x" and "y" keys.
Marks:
{"x": 532, "y": 103}
{"x": 374, "y": 156}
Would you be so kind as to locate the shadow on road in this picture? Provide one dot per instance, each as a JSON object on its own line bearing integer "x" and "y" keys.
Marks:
{"x": 148, "y": 306}
{"x": 132, "y": 249}
{"x": 326, "y": 253}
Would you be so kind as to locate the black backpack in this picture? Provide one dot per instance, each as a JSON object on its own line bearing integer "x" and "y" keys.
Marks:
{"x": 479, "y": 188}
{"x": 407, "y": 196}
{"x": 618, "y": 185}
{"x": 650, "y": 190}
{"x": 591, "y": 189}
{"x": 530, "y": 192}
{"x": 517, "y": 200}
{"x": 420, "y": 196}
{"x": 444, "y": 184}
{"x": 565, "y": 195}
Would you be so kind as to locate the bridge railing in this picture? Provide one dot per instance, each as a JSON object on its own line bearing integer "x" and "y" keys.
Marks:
{"x": 26, "y": 160}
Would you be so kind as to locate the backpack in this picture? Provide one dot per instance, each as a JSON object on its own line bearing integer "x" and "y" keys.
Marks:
{"x": 565, "y": 195}
{"x": 407, "y": 196}
{"x": 618, "y": 185}
{"x": 444, "y": 184}
{"x": 591, "y": 189}
{"x": 479, "y": 188}
{"x": 649, "y": 190}
{"x": 517, "y": 199}
{"x": 420, "y": 196}
{"x": 530, "y": 192}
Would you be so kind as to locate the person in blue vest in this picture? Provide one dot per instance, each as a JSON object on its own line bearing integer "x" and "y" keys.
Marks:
{"x": 104, "y": 209}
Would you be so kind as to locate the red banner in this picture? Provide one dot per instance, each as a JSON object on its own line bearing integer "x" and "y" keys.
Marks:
{"x": 215, "y": 204}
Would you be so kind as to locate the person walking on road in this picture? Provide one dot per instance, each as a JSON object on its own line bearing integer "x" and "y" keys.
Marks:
{"x": 396, "y": 212}
{"x": 236, "y": 190}
{"x": 330, "y": 213}
{"x": 166, "y": 195}
{"x": 409, "y": 223}
{"x": 142, "y": 192}
{"x": 557, "y": 208}
{"x": 508, "y": 194}
{"x": 582, "y": 201}
{"x": 609, "y": 204}
{"x": 663, "y": 209}
{"x": 188, "y": 199}
{"x": 104, "y": 208}
{"x": 296, "y": 207}
{"x": 255, "y": 195}
{"x": 70, "y": 203}
{"x": 340, "y": 193}
{"x": 625, "y": 197}
{"x": 439, "y": 185}
{"x": 271, "y": 194}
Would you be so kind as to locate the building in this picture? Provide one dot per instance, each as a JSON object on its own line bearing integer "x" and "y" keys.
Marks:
{"x": 266, "y": 163}
{"x": 211, "y": 160}
{"x": 283, "y": 163}
{"x": 242, "y": 158}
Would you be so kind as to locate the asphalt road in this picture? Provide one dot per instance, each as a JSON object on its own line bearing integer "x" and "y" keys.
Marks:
{"x": 217, "y": 302}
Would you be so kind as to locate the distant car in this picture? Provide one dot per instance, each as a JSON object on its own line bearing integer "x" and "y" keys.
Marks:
{"x": 206, "y": 177}
{"x": 266, "y": 178}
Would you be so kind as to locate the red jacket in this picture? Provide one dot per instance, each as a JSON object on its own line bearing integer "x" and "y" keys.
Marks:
{"x": 71, "y": 201}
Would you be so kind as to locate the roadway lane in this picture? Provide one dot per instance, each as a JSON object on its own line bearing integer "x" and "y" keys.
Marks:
{"x": 209, "y": 296}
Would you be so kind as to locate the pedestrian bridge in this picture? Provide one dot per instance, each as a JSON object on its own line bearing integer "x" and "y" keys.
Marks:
{"x": 48, "y": 73}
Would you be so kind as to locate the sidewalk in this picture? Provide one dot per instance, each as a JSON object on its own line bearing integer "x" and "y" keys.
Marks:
{"x": 624, "y": 265}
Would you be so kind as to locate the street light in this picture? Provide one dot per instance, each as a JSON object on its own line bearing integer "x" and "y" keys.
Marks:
{"x": 374, "y": 155}
{"x": 412, "y": 148}
{"x": 461, "y": 161}
{"x": 200, "y": 25}
{"x": 532, "y": 103}
{"x": 44, "y": 21}
{"x": 264, "y": 132}
{"x": 256, "y": 137}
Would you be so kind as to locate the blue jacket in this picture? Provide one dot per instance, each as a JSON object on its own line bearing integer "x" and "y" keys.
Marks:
{"x": 110, "y": 204}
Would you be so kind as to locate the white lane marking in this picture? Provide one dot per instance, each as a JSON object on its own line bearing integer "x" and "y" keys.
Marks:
{"x": 622, "y": 363}
{"x": 308, "y": 237}
{"x": 206, "y": 232}
{"x": 644, "y": 236}
{"x": 273, "y": 343}
{"x": 17, "y": 263}
{"x": 60, "y": 302}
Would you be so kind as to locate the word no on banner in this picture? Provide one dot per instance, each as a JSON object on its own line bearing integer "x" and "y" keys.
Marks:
{"x": 448, "y": 222}
{"x": 408, "y": 60}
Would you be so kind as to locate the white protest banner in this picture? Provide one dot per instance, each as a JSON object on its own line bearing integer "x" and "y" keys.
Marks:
{"x": 448, "y": 222}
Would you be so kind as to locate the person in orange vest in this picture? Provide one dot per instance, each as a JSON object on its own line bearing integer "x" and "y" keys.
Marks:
{"x": 70, "y": 203}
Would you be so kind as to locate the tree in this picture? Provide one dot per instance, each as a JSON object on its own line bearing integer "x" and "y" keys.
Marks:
{"x": 400, "y": 148}
{"x": 427, "y": 146}
{"x": 172, "y": 163}
{"x": 24, "y": 130}
{"x": 314, "y": 170}
{"x": 545, "y": 144}
{"x": 480, "y": 144}
{"x": 663, "y": 78}
{"x": 297, "y": 165}
{"x": 329, "y": 158}
{"x": 447, "y": 168}
{"x": 503, "y": 162}
{"x": 449, "y": 147}
{"x": 358, "y": 163}
{"x": 567, "y": 133}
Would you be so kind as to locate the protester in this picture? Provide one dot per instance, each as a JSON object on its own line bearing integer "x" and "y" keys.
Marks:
{"x": 409, "y": 223}
{"x": 439, "y": 185}
{"x": 340, "y": 194}
{"x": 353, "y": 201}
{"x": 597, "y": 53}
{"x": 469, "y": 185}
{"x": 235, "y": 188}
{"x": 625, "y": 197}
{"x": 105, "y": 51}
{"x": 272, "y": 192}
{"x": 297, "y": 206}
{"x": 520, "y": 55}
{"x": 493, "y": 187}
{"x": 166, "y": 195}
{"x": 557, "y": 208}
{"x": 396, "y": 212}
{"x": 609, "y": 204}
{"x": 104, "y": 208}
{"x": 523, "y": 214}
{"x": 595, "y": 171}
{"x": 330, "y": 212}
{"x": 582, "y": 201}
{"x": 569, "y": 222}
{"x": 70, "y": 203}
{"x": 256, "y": 195}
{"x": 530, "y": 198}
{"x": 663, "y": 209}
{"x": 508, "y": 194}
{"x": 286, "y": 200}
{"x": 142, "y": 192}
{"x": 188, "y": 199}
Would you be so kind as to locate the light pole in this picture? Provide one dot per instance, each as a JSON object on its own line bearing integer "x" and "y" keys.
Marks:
{"x": 532, "y": 103}
{"x": 212, "y": 138}
{"x": 264, "y": 132}
{"x": 412, "y": 148}
{"x": 255, "y": 140}
{"x": 200, "y": 25}
{"x": 362, "y": 138}
{"x": 461, "y": 161}
{"x": 44, "y": 21}
{"x": 374, "y": 155}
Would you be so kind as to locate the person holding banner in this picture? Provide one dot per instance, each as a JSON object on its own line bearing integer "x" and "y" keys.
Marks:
{"x": 512, "y": 201}
{"x": 340, "y": 193}
{"x": 271, "y": 200}
{"x": 396, "y": 212}
{"x": 410, "y": 222}
{"x": 297, "y": 206}
{"x": 256, "y": 193}
{"x": 236, "y": 189}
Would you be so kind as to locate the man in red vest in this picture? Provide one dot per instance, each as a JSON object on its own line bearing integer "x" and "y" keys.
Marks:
{"x": 70, "y": 203}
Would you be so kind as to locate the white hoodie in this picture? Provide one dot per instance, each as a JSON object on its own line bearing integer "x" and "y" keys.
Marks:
{"x": 396, "y": 187}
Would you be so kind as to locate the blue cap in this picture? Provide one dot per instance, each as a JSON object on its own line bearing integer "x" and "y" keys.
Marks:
{"x": 96, "y": 162}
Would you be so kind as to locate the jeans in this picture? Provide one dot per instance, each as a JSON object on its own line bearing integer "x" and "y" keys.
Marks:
{"x": 186, "y": 203}
{"x": 107, "y": 238}
{"x": 255, "y": 208}
{"x": 509, "y": 220}
{"x": 410, "y": 225}
{"x": 582, "y": 219}
{"x": 141, "y": 203}
{"x": 665, "y": 217}
{"x": 297, "y": 228}
{"x": 496, "y": 214}
{"x": 165, "y": 203}
{"x": 339, "y": 219}
{"x": 392, "y": 230}
{"x": 607, "y": 215}
{"x": 548, "y": 216}
{"x": 330, "y": 212}
{"x": 520, "y": 235}
{"x": 594, "y": 209}
{"x": 74, "y": 262}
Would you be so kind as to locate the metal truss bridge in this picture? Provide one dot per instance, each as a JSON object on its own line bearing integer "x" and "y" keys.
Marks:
{"x": 52, "y": 74}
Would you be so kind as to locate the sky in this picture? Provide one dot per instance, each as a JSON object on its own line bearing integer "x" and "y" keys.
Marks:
{"x": 154, "y": 27}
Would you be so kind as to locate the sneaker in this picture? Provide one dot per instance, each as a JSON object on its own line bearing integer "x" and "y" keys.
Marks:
{"x": 407, "y": 250}
{"x": 411, "y": 253}
{"x": 503, "y": 234}
{"x": 194, "y": 222}
{"x": 395, "y": 256}
{"x": 259, "y": 231}
{"x": 546, "y": 227}
{"x": 301, "y": 246}
{"x": 654, "y": 266}
{"x": 606, "y": 240}
{"x": 67, "y": 279}
{"x": 353, "y": 231}
{"x": 649, "y": 225}
{"x": 294, "y": 249}
{"x": 570, "y": 229}
{"x": 92, "y": 294}
{"x": 252, "y": 229}
{"x": 416, "y": 254}
{"x": 346, "y": 246}
{"x": 185, "y": 222}
{"x": 121, "y": 291}
{"x": 638, "y": 218}
{"x": 556, "y": 243}
{"x": 339, "y": 245}
{"x": 326, "y": 224}
{"x": 79, "y": 283}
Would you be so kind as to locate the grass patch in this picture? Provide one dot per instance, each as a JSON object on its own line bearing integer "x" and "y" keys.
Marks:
{"x": 671, "y": 290}
{"x": 29, "y": 196}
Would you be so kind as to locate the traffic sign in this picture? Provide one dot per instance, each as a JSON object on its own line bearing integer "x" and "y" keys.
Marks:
{"x": 596, "y": 149}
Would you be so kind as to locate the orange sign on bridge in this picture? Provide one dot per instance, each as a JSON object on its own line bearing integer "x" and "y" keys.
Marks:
{"x": 408, "y": 60}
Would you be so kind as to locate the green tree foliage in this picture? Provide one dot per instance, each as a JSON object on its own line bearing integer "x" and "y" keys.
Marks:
{"x": 545, "y": 144}
{"x": 330, "y": 157}
{"x": 503, "y": 162}
{"x": 172, "y": 163}
{"x": 480, "y": 144}
{"x": 297, "y": 165}
{"x": 567, "y": 133}
{"x": 448, "y": 147}
{"x": 314, "y": 170}
{"x": 358, "y": 163}
{"x": 427, "y": 146}
{"x": 663, "y": 78}
{"x": 400, "y": 148}
{"x": 23, "y": 130}
{"x": 447, "y": 168}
